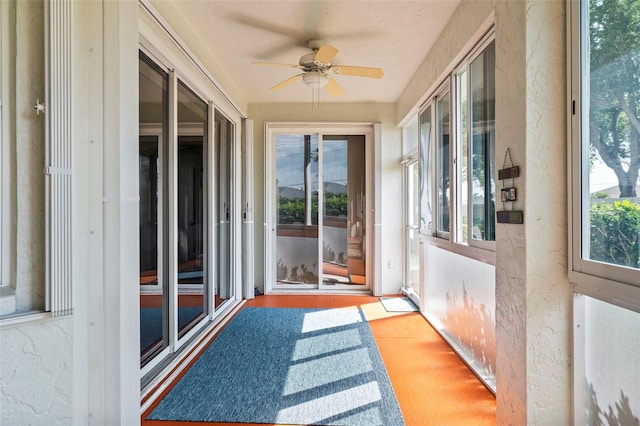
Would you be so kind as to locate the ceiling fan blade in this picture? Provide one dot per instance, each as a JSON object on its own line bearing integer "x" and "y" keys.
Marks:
{"x": 276, "y": 64}
{"x": 333, "y": 87}
{"x": 357, "y": 71}
{"x": 287, "y": 82}
{"x": 325, "y": 54}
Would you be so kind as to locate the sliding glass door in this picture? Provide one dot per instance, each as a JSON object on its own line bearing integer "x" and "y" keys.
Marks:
{"x": 320, "y": 204}
{"x": 186, "y": 169}
{"x": 153, "y": 142}
{"x": 223, "y": 150}
{"x": 191, "y": 209}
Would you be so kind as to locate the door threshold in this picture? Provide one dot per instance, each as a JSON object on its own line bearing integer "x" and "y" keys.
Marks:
{"x": 311, "y": 292}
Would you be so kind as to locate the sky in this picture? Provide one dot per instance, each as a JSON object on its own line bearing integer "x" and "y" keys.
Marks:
{"x": 290, "y": 161}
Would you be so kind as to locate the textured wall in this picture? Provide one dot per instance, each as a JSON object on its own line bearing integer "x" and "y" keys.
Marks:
{"x": 511, "y": 280}
{"x": 549, "y": 294}
{"x": 35, "y": 357}
{"x": 29, "y": 147}
{"x": 469, "y": 22}
{"x": 533, "y": 295}
{"x": 36, "y": 374}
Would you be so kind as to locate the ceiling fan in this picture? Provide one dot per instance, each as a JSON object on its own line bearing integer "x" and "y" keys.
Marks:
{"x": 317, "y": 69}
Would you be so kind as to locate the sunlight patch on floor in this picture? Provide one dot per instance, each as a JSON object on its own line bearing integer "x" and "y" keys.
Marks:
{"x": 327, "y": 369}
{"x": 340, "y": 402}
{"x": 326, "y": 343}
{"x": 331, "y": 318}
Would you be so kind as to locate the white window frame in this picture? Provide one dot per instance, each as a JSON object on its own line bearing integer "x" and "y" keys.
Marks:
{"x": 368, "y": 130}
{"x": 614, "y": 284}
{"x": 465, "y": 66}
{"x": 58, "y": 167}
{"x": 5, "y": 210}
{"x": 178, "y": 71}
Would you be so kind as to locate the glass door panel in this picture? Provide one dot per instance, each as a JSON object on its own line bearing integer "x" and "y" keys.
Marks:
{"x": 413, "y": 218}
{"x": 442, "y": 152}
{"x": 192, "y": 289}
{"x": 343, "y": 221}
{"x": 223, "y": 145}
{"x": 296, "y": 209}
{"x": 154, "y": 329}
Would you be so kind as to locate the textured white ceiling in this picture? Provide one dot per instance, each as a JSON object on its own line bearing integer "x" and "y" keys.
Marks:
{"x": 393, "y": 35}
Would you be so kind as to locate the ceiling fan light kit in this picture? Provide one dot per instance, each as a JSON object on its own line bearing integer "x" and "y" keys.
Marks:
{"x": 317, "y": 69}
{"x": 315, "y": 79}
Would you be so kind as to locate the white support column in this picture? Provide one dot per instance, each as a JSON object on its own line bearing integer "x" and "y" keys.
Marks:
{"x": 377, "y": 212}
{"x": 114, "y": 330}
{"x": 533, "y": 293}
{"x": 247, "y": 210}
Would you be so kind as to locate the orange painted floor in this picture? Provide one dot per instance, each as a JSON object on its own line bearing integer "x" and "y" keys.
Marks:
{"x": 433, "y": 386}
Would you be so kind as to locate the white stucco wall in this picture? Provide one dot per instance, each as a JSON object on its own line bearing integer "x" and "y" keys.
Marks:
{"x": 533, "y": 295}
{"x": 36, "y": 373}
{"x": 29, "y": 147}
{"x": 36, "y": 362}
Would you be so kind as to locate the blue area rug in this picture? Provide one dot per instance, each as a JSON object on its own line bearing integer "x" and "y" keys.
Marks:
{"x": 287, "y": 366}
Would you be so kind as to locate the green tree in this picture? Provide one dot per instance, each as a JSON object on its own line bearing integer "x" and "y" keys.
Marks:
{"x": 614, "y": 126}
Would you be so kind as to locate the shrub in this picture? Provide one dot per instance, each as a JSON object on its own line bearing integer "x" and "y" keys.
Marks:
{"x": 615, "y": 233}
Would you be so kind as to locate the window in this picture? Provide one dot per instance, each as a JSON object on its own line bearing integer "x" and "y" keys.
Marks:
{"x": 424, "y": 167}
{"x": 606, "y": 141}
{"x": 474, "y": 118}
{"x": 464, "y": 136}
{"x": 35, "y": 221}
{"x": 443, "y": 166}
{"x": 604, "y": 213}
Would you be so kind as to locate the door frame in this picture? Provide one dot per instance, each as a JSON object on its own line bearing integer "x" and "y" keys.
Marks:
{"x": 372, "y": 189}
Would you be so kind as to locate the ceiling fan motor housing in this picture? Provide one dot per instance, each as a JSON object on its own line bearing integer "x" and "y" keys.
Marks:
{"x": 306, "y": 61}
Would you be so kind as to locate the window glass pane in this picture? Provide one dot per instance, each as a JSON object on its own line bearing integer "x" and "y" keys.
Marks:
{"x": 462, "y": 156}
{"x": 482, "y": 147}
{"x": 343, "y": 230}
{"x": 153, "y": 116}
{"x": 223, "y": 146}
{"x": 611, "y": 132}
{"x": 443, "y": 186}
{"x": 192, "y": 124}
{"x": 297, "y": 209}
{"x": 425, "y": 172}
{"x": 413, "y": 242}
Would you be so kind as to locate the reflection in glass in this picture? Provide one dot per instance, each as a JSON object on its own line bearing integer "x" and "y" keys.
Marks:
{"x": 412, "y": 227}
{"x": 442, "y": 132}
{"x": 343, "y": 171}
{"x": 297, "y": 209}
{"x": 611, "y": 133}
{"x": 482, "y": 78}
{"x": 462, "y": 107}
{"x": 153, "y": 87}
{"x": 425, "y": 172}
{"x": 223, "y": 144}
{"x": 192, "y": 125}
